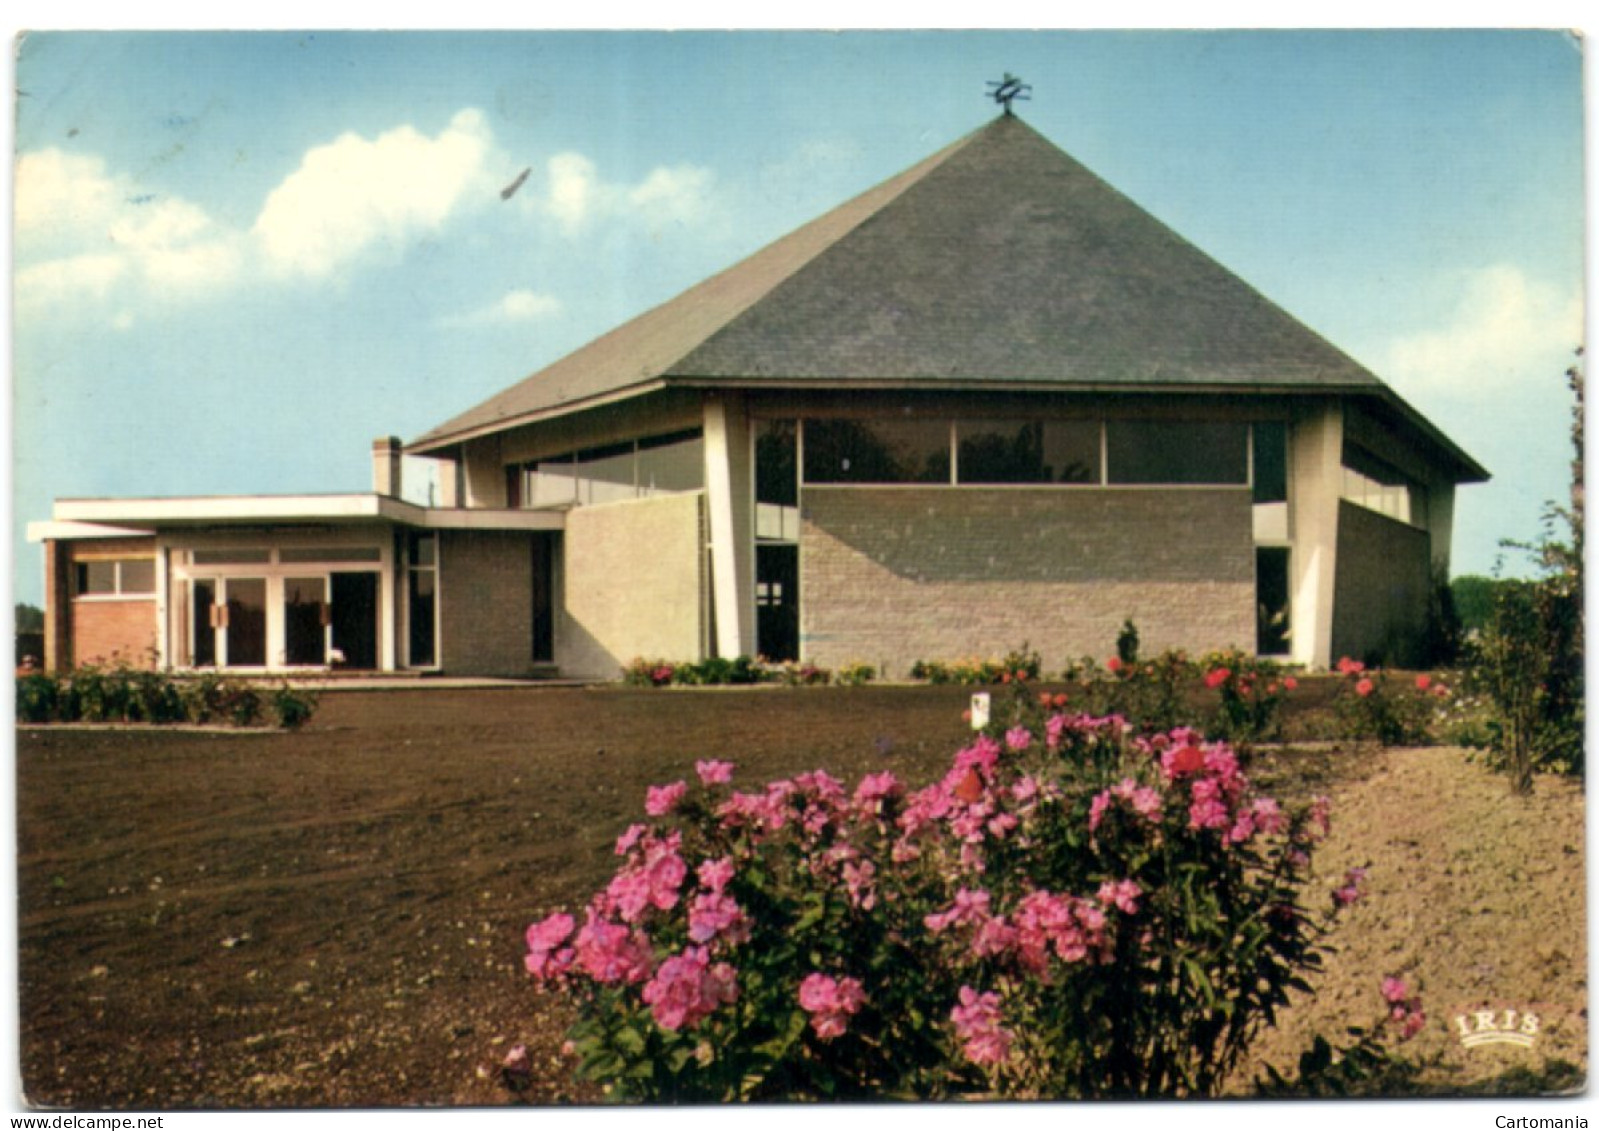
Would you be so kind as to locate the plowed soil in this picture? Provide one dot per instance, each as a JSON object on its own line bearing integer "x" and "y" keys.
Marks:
{"x": 334, "y": 917}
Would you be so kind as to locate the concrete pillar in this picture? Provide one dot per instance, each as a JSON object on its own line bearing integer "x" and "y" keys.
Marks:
{"x": 449, "y": 473}
{"x": 386, "y": 466}
{"x": 1315, "y": 460}
{"x": 729, "y": 500}
{"x": 483, "y": 472}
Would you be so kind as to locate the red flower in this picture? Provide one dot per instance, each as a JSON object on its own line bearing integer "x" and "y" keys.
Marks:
{"x": 1364, "y": 688}
{"x": 1216, "y": 677}
{"x": 1423, "y": 682}
{"x": 1114, "y": 664}
{"x": 1186, "y": 761}
{"x": 1350, "y": 667}
{"x": 1290, "y": 683}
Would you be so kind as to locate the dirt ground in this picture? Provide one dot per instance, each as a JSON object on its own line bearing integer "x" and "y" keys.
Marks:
{"x": 335, "y": 917}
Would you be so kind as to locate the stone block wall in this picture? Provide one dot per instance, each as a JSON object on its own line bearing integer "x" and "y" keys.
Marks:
{"x": 893, "y": 575}
{"x": 633, "y": 576}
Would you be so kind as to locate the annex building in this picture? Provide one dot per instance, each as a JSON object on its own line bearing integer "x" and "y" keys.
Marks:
{"x": 938, "y": 421}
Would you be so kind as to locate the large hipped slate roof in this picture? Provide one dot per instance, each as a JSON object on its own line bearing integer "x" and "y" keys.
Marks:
{"x": 999, "y": 260}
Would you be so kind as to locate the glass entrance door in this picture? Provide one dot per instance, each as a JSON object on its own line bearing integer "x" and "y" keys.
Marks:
{"x": 305, "y": 621}
{"x": 230, "y": 622}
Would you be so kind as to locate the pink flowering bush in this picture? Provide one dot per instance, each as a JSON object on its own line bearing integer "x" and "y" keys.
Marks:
{"x": 1370, "y": 1064}
{"x": 1072, "y": 910}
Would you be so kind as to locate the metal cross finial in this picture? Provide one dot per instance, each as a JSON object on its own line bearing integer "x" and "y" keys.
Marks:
{"x": 1008, "y": 89}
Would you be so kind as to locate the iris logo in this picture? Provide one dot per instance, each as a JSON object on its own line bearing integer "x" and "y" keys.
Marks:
{"x": 1498, "y": 1027}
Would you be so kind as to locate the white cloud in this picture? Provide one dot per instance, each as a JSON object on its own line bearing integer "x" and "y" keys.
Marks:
{"x": 1502, "y": 333}
{"x": 517, "y": 306}
{"x": 81, "y": 230}
{"x": 68, "y": 278}
{"x": 676, "y": 195}
{"x": 575, "y": 191}
{"x": 579, "y": 197}
{"x": 353, "y": 194}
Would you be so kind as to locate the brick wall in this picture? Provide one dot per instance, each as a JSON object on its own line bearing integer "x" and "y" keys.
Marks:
{"x": 1380, "y": 596}
{"x": 485, "y": 602}
{"x": 120, "y": 628}
{"x": 632, "y": 574}
{"x": 890, "y": 576}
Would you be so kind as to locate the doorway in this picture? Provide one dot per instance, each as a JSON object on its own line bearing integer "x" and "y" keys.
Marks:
{"x": 777, "y": 601}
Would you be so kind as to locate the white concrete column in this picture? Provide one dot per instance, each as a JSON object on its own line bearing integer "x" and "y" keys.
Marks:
{"x": 483, "y": 472}
{"x": 449, "y": 478}
{"x": 1316, "y": 448}
{"x": 1440, "y": 522}
{"x": 728, "y": 500}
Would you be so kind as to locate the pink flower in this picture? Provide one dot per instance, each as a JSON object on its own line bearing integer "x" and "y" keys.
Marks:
{"x": 659, "y": 800}
{"x": 1216, "y": 677}
{"x": 1394, "y": 990}
{"x": 625, "y": 842}
{"x": 969, "y": 907}
{"x": 652, "y": 881}
{"x": 976, "y": 1020}
{"x": 610, "y": 953}
{"x": 874, "y": 790}
{"x": 1290, "y": 683}
{"x": 830, "y": 1002}
{"x": 714, "y": 773}
{"x": 1364, "y": 688}
{"x": 1122, "y": 895}
{"x": 714, "y": 913}
{"x": 687, "y": 989}
{"x": 716, "y": 874}
{"x": 858, "y": 879}
{"x": 546, "y": 958}
{"x": 1346, "y": 666}
{"x": 1114, "y": 664}
{"x": 1018, "y": 738}
{"x": 1350, "y": 891}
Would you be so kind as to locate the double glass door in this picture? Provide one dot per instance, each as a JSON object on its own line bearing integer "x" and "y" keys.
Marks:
{"x": 230, "y": 622}
{"x": 316, "y": 620}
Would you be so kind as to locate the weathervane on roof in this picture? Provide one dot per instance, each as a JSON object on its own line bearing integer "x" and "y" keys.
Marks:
{"x": 1008, "y": 89}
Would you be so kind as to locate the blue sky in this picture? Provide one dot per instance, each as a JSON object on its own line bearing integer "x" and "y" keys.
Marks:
{"x": 239, "y": 257}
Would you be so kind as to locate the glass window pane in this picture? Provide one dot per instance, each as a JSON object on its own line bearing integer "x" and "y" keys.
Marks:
{"x": 1001, "y": 451}
{"x": 1271, "y": 462}
{"x": 1177, "y": 451}
{"x": 246, "y": 622}
{"x": 1029, "y": 451}
{"x": 305, "y": 618}
{"x": 298, "y": 554}
{"x": 138, "y": 575}
{"x": 420, "y": 617}
{"x": 670, "y": 464}
{"x": 607, "y": 474}
{"x": 423, "y": 549}
{"x": 230, "y": 556}
{"x": 877, "y": 451}
{"x": 776, "y": 463}
{"x": 97, "y": 577}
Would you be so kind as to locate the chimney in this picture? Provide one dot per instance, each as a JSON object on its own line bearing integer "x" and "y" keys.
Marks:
{"x": 386, "y": 466}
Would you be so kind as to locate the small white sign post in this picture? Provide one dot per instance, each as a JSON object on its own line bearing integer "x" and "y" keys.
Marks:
{"x": 980, "y": 705}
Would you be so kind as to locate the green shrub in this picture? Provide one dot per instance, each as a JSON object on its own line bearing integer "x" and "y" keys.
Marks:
{"x": 292, "y": 709}
{"x": 38, "y": 696}
{"x": 855, "y": 674}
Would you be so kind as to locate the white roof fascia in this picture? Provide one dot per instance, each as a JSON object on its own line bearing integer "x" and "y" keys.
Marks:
{"x": 97, "y": 514}
{"x": 62, "y": 531}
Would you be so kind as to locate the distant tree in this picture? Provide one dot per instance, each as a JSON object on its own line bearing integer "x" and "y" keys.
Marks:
{"x": 30, "y": 618}
{"x": 1474, "y": 598}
